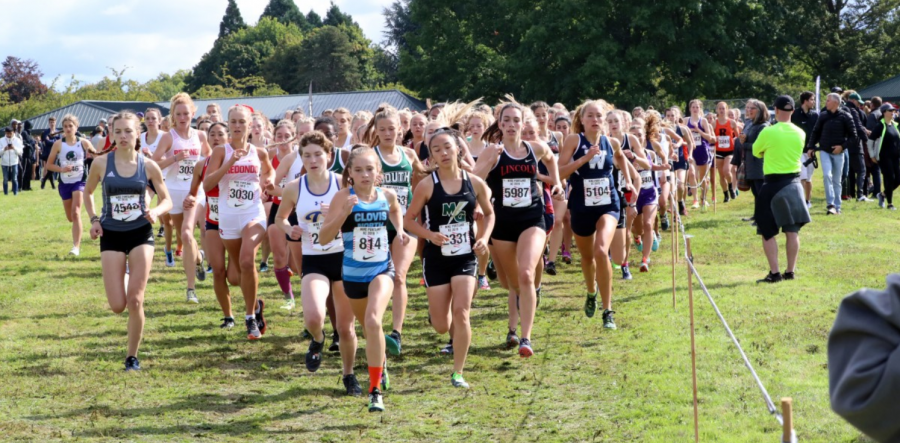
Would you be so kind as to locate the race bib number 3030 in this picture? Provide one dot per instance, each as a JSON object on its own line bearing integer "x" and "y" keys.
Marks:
{"x": 240, "y": 193}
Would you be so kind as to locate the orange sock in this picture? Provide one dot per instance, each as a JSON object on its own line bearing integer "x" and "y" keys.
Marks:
{"x": 374, "y": 377}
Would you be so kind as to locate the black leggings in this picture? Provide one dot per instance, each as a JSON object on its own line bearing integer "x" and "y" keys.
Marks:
{"x": 890, "y": 168}
{"x": 755, "y": 187}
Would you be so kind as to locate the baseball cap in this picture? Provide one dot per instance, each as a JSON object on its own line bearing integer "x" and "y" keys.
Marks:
{"x": 140, "y": 115}
{"x": 102, "y": 120}
{"x": 14, "y": 121}
{"x": 837, "y": 89}
{"x": 784, "y": 103}
{"x": 886, "y": 108}
{"x": 7, "y": 129}
{"x": 855, "y": 96}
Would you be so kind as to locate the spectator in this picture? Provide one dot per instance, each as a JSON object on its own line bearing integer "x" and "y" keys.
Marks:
{"x": 29, "y": 158}
{"x": 887, "y": 152}
{"x": 10, "y": 150}
{"x": 873, "y": 170}
{"x": 833, "y": 131}
{"x": 780, "y": 203}
{"x": 327, "y": 113}
{"x": 805, "y": 118}
{"x": 856, "y": 184}
{"x": 50, "y": 136}
{"x": 288, "y": 114}
{"x": 758, "y": 116}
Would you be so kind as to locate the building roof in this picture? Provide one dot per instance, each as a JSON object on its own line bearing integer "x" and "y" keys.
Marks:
{"x": 274, "y": 107}
{"x": 89, "y": 112}
{"x": 888, "y": 90}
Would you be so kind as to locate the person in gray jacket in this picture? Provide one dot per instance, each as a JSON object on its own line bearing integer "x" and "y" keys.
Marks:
{"x": 864, "y": 361}
{"x": 758, "y": 115}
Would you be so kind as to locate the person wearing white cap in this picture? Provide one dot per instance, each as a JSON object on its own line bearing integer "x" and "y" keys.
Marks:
{"x": 10, "y": 150}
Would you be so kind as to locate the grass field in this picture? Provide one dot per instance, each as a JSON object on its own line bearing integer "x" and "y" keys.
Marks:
{"x": 61, "y": 349}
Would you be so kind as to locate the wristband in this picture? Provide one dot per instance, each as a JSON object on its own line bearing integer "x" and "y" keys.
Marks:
{"x": 95, "y": 219}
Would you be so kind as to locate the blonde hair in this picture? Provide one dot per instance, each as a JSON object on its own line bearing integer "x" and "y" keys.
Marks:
{"x": 286, "y": 124}
{"x": 69, "y": 118}
{"x": 182, "y": 98}
{"x": 486, "y": 119}
{"x": 578, "y": 127}
{"x": 355, "y": 152}
{"x": 384, "y": 111}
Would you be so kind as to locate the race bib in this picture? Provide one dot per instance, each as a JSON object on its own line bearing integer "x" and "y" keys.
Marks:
{"x": 724, "y": 142}
{"x": 370, "y": 244}
{"x": 697, "y": 138}
{"x": 77, "y": 169}
{"x": 597, "y": 192}
{"x": 311, "y": 235}
{"x": 240, "y": 193}
{"x": 516, "y": 192}
{"x": 402, "y": 195}
{"x": 646, "y": 179}
{"x": 458, "y": 242}
{"x": 213, "y": 208}
{"x": 126, "y": 207}
{"x": 186, "y": 170}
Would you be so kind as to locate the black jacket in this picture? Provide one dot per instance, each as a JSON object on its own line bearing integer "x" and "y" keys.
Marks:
{"x": 891, "y": 143}
{"x": 859, "y": 121}
{"x": 833, "y": 129}
{"x": 744, "y": 152}
{"x": 805, "y": 120}
{"x": 872, "y": 120}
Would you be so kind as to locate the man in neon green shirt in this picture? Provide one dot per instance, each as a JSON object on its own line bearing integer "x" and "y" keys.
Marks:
{"x": 781, "y": 202}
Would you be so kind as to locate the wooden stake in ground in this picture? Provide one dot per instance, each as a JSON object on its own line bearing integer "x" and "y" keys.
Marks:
{"x": 688, "y": 262}
{"x": 674, "y": 226}
{"x": 787, "y": 434}
{"x": 713, "y": 179}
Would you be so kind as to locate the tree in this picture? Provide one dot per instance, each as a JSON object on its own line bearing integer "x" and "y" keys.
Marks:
{"x": 314, "y": 19}
{"x": 232, "y": 21}
{"x": 325, "y": 57}
{"x": 164, "y": 86}
{"x": 335, "y": 17}
{"x": 286, "y": 11}
{"x": 398, "y": 24}
{"x": 242, "y": 54}
{"x": 21, "y": 79}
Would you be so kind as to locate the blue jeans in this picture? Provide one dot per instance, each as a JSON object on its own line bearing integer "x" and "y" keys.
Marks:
{"x": 11, "y": 173}
{"x": 832, "y": 167}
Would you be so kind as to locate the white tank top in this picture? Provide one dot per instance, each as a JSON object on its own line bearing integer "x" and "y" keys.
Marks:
{"x": 150, "y": 147}
{"x": 71, "y": 155}
{"x": 240, "y": 185}
{"x": 294, "y": 172}
{"x": 310, "y": 217}
{"x": 182, "y": 172}
{"x": 201, "y": 195}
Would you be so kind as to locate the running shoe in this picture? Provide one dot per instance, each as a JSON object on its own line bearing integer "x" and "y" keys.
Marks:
{"x": 626, "y": 273}
{"x": 655, "y": 244}
{"x": 192, "y": 296}
{"x": 161, "y": 233}
{"x": 639, "y": 244}
{"x": 376, "y": 401}
{"x": 252, "y": 329}
{"x": 260, "y": 320}
{"x": 483, "y": 283}
{"x": 733, "y": 193}
{"x": 681, "y": 210}
{"x": 727, "y": 197}
{"x": 392, "y": 342}
{"x": 179, "y": 252}
{"x": 512, "y": 340}
{"x": 264, "y": 266}
{"x": 525, "y": 350}
{"x": 881, "y": 200}
{"x": 314, "y": 355}
{"x": 351, "y": 384}
{"x": 705, "y": 206}
{"x": 170, "y": 259}
{"x": 201, "y": 271}
{"x": 664, "y": 223}
{"x": 771, "y": 278}
{"x": 491, "y": 270}
{"x": 809, "y": 205}
{"x": 616, "y": 266}
{"x": 335, "y": 343}
{"x": 227, "y": 323}
{"x": 550, "y": 268}
{"x": 608, "y": 321}
{"x": 787, "y": 275}
{"x": 590, "y": 305}
{"x": 567, "y": 256}
{"x": 890, "y": 208}
{"x": 696, "y": 205}
{"x": 645, "y": 267}
{"x": 289, "y": 304}
{"x": 831, "y": 210}
{"x": 132, "y": 364}
{"x": 75, "y": 251}
{"x": 448, "y": 348}
{"x": 458, "y": 381}
{"x": 385, "y": 377}
{"x": 845, "y": 197}
{"x": 863, "y": 199}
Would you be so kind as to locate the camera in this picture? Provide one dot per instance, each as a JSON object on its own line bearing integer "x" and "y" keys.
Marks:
{"x": 813, "y": 161}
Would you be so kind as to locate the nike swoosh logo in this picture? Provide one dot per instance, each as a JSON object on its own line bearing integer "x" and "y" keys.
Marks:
{"x": 368, "y": 258}
{"x": 452, "y": 252}
{"x": 518, "y": 204}
{"x": 327, "y": 248}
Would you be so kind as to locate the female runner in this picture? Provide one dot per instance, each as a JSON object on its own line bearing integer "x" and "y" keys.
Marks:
{"x": 398, "y": 164}
{"x": 510, "y": 170}
{"x": 681, "y": 165}
{"x": 284, "y": 134}
{"x": 701, "y": 132}
{"x": 308, "y": 199}
{"x": 215, "y": 249}
{"x": 449, "y": 199}
{"x": 182, "y": 148}
{"x": 560, "y": 207}
{"x": 475, "y": 127}
{"x": 587, "y": 157}
{"x": 71, "y": 151}
{"x": 259, "y": 137}
{"x": 616, "y": 122}
{"x": 725, "y": 131}
{"x": 360, "y": 214}
{"x": 125, "y": 224}
{"x": 237, "y": 169}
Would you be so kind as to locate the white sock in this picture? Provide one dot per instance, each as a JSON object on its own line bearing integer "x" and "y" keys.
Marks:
{"x": 248, "y": 317}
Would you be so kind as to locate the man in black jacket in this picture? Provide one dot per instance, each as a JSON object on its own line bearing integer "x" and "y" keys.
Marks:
{"x": 805, "y": 116}
{"x": 833, "y": 132}
{"x": 873, "y": 171}
{"x": 28, "y": 158}
{"x": 856, "y": 183}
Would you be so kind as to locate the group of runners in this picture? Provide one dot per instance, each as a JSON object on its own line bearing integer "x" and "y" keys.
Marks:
{"x": 348, "y": 202}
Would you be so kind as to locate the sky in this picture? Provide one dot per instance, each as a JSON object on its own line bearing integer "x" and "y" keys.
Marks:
{"x": 85, "y": 38}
